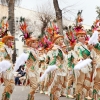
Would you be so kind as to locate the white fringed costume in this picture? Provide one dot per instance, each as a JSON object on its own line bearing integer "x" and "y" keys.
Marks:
{"x": 83, "y": 70}
{"x": 96, "y": 67}
{"x": 7, "y": 71}
{"x": 55, "y": 71}
{"x": 32, "y": 70}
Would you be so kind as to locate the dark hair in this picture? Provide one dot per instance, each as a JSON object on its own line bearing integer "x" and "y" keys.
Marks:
{"x": 22, "y": 66}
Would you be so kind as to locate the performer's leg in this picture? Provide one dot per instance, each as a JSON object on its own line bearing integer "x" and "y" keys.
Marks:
{"x": 33, "y": 87}
{"x": 63, "y": 91}
{"x": 56, "y": 95}
{"x": 55, "y": 91}
{"x": 42, "y": 87}
{"x": 87, "y": 88}
{"x": 70, "y": 86}
{"x": 79, "y": 82}
{"x": 95, "y": 94}
{"x": 9, "y": 86}
{"x": 46, "y": 85}
{"x": 78, "y": 91}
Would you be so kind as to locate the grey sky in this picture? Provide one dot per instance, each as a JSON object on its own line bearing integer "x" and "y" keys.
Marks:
{"x": 88, "y": 7}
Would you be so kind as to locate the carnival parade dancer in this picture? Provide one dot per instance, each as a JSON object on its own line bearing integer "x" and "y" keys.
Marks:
{"x": 55, "y": 68}
{"x": 6, "y": 66}
{"x": 95, "y": 41}
{"x": 32, "y": 68}
{"x": 70, "y": 62}
{"x": 83, "y": 67}
{"x": 70, "y": 74}
{"x": 48, "y": 45}
{"x": 65, "y": 55}
{"x": 30, "y": 59}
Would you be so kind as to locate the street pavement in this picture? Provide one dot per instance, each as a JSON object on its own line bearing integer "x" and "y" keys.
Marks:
{"x": 20, "y": 93}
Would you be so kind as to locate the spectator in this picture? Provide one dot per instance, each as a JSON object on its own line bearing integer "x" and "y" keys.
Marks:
{"x": 21, "y": 73}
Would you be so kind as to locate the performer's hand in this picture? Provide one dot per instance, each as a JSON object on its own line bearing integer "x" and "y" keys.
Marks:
{"x": 76, "y": 61}
{"x": 26, "y": 70}
{"x": 93, "y": 61}
{"x": 29, "y": 63}
{"x": 19, "y": 75}
{"x": 90, "y": 47}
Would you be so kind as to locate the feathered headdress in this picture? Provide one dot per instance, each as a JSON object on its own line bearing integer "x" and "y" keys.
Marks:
{"x": 51, "y": 30}
{"x": 23, "y": 27}
{"x": 45, "y": 43}
{"x": 78, "y": 28}
{"x": 4, "y": 32}
{"x": 3, "y": 27}
{"x": 52, "y": 27}
{"x": 46, "y": 40}
{"x": 96, "y": 23}
{"x": 70, "y": 35}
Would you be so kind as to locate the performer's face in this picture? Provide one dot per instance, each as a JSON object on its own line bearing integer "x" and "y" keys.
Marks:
{"x": 9, "y": 43}
{"x": 81, "y": 38}
{"x": 90, "y": 47}
{"x": 41, "y": 52}
{"x": 45, "y": 51}
{"x": 34, "y": 45}
{"x": 59, "y": 41}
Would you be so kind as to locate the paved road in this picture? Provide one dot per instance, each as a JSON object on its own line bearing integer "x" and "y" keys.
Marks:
{"x": 20, "y": 93}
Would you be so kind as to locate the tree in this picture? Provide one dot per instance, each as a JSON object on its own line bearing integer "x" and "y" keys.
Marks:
{"x": 11, "y": 21}
{"x": 45, "y": 15}
{"x": 58, "y": 12}
{"x": 98, "y": 12}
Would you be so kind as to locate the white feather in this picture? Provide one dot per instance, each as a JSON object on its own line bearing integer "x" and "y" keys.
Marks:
{"x": 82, "y": 64}
{"x": 94, "y": 38}
{"x": 49, "y": 68}
{"x": 85, "y": 69}
{"x": 77, "y": 73}
{"x": 20, "y": 61}
{"x": 4, "y": 65}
